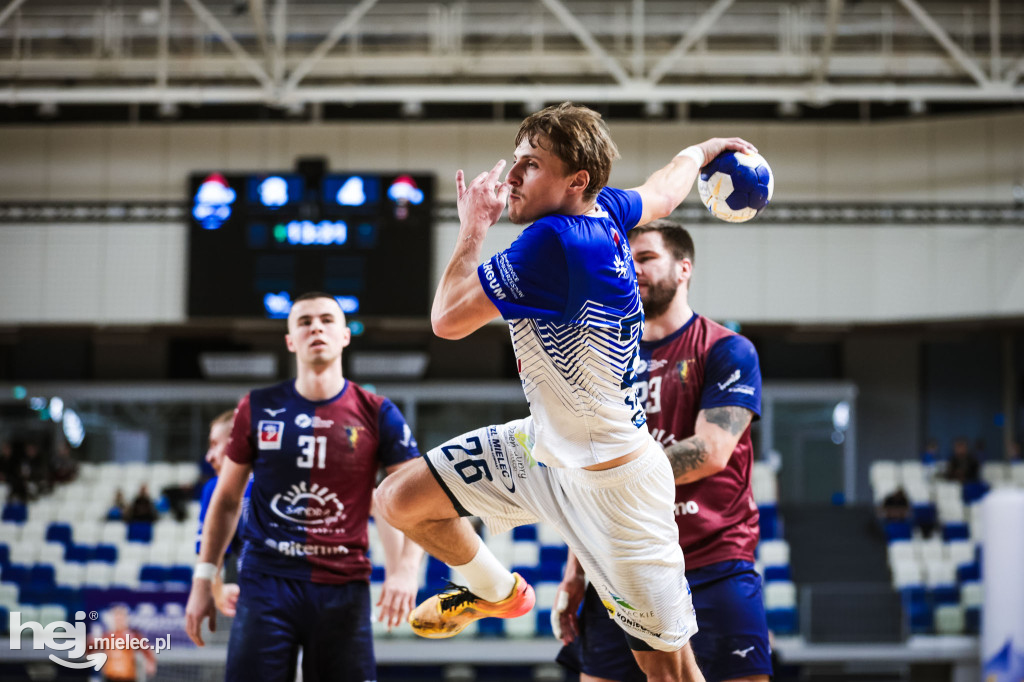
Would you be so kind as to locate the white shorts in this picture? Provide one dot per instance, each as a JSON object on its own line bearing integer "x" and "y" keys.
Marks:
{"x": 619, "y": 522}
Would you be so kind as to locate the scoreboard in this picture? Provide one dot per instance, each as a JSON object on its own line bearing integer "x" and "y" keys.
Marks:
{"x": 258, "y": 240}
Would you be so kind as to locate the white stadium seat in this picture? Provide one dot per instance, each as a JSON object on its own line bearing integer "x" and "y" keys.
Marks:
{"x": 949, "y": 619}
{"x": 52, "y": 613}
{"x": 901, "y": 551}
{"x": 773, "y": 553}
{"x": 960, "y": 552}
{"x": 907, "y": 573}
{"x": 98, "y": 574}
{"x": 938, "y": 573}
{"x": 972, "y": 594}
{"x": 70, "y": 574}
{"x": 779, "y": 594}
{"x": 113, "y": 532}
{"x": 929, "y": 550}
{"x": 995, "y": 473}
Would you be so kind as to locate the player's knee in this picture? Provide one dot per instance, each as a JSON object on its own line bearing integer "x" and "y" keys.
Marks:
{"x": 394, "y": 502}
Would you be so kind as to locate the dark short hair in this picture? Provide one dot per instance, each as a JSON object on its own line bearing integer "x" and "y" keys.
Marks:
{"x": 578, "y": 136}
{"x": 311, "y": 295}
{"x": 677, "y": 240}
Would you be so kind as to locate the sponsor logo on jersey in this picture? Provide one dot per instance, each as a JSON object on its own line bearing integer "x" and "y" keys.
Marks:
{"x": 622, "y": 602}
{"x": 653, "y": 365}
{"x": 274, "y": 413}
{"x": 742, "y": 653}
{"x": 733, "y": 378}
{"x": 502, "y": 460}
{"x": 683, "y": 370}
{"x": 492, "y": 281}
{"x": 630, "y": 623}
{"x": 292, "y": 548}
{"x": 352, "y": 433}
{"x": 620, "y": 267}
{"x": 688, "y": 507}
{"x": 740, "y": 388}
{"x": 313, "y": 505}
{"x": 270, "y": 434}
{"x": 304, "y": 421}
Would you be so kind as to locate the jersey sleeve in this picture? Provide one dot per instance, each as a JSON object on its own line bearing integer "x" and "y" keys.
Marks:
{"x": 204, "y": 505}
{"x": 625, "y": 206}
{"x": 732, "y": 375}
{"x": 240, "y": 448}
{"x": 529, "y": 279}
{"x": 396, "y": 442}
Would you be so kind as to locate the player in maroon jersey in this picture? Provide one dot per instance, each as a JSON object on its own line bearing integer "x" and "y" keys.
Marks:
{"x": 701, "y": 386}
{"x": 314, "y": 446}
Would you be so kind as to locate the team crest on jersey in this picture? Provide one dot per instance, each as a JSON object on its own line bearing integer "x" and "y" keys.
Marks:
{"x": 353, "y": 434}
{"x": 683, "y": 370}
{"x": 270, "y": 433}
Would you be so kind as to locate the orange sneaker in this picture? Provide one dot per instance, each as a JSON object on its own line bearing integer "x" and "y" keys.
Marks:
{"x": 448, "y": 613}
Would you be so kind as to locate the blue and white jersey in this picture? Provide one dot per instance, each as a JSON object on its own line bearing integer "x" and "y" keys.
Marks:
{"x": 568, "y": 289}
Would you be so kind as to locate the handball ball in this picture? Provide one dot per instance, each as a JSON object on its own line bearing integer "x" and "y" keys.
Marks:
{"x": 736, "y": 186}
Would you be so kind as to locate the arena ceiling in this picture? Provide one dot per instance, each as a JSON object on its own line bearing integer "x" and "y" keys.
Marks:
{"x": 415, "y": 59}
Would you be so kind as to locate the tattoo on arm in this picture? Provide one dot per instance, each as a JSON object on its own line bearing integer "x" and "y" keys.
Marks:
{"x": 732, "y": 419}
{"x": 687, "y": 455}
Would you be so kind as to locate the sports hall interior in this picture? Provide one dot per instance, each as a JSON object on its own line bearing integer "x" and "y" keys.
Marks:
{"x": 883, "y": 287}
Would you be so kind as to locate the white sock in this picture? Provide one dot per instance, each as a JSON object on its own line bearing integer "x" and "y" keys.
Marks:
{"x": 486, "y": 577}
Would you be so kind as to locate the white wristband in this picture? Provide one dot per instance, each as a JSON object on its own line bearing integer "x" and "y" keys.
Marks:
{"x": 204, "y": 571}
{"x": 695, "y": 153}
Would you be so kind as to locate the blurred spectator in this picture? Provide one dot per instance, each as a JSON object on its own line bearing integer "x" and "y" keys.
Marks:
{"x": 64, "y": 466}
{"x": 895, "y": 506}
{"x": 35, "y": 469}
{"x": 117, "y": 644}
{"x": 980, "y": 450}
{"x": 930, "y": 454}
{"x": 962, "y": 466}
{"x": 1014, "y": 454}
{"x": 119, "y": 508}
{"x": 142, "y": 507}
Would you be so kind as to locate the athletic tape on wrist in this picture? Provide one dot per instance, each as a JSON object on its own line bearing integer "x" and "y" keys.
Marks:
{"x": 695, "y": 153}
{"x": 204, "y": 571}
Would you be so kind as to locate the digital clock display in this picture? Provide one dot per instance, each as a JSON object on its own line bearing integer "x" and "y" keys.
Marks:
{"x": 258, "y": 240}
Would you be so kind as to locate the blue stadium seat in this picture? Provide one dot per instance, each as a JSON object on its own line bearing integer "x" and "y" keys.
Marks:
{"x": 179, "y": 574}
{"x": 782, "y": 621}
{"x": 920, "y": 618}
{"x": 5, "y": 555}
{"x": 377, "y": 574}
{"x": 769, "y": 521}
{"x": 945, "y": 594}
{"x": 972, "y": 620}
{"x": 554, "y": 553}
{"x": 153, "y": 574}
{"x": 42, "y": 576}
{"x": 5, "y": 620}
{"x": 59, "y": 532}
{"x": 15, "y": 573}
{"x": 544, "y": 623}
{"x": 529, "y": 573}
{"x": 974, "y": 491}
{"x": 525, "y": 532}
{"x": 106, "y": 553}
{"x": 968, "y": 572}
{"x": 79, "y": 553}
{"x": 550, "y": 571}
{"x": 491, "y": 627}
{"x": 776, "y": 573}
{"x": 438, "y": 573}
{"x": 140, "y": 532}
{"x": 15, "y": 512}
{"x": 925, "y": 515}
{"x": 956, "y": 531}
{"x": 898, "y": 530}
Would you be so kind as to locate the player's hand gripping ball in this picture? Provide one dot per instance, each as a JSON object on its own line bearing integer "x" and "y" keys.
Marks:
{"x": 736, "y": 186}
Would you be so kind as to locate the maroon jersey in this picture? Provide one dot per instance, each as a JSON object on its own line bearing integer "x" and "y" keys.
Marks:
{"x": 314, "y": 468}
{"x": 700, "y": 366}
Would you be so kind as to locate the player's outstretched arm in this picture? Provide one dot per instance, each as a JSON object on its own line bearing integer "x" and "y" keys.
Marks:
{"x": 668, "y": 186}
{"x": 707, "y": 451}
{"x": 402, "y": 558}
{"x": 564, "y": 621}
{"x": 218, "y": 529}
{"x": 460, "y": 304}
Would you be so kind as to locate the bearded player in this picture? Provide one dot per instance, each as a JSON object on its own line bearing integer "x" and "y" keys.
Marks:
{"x": 701, "y": 386}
